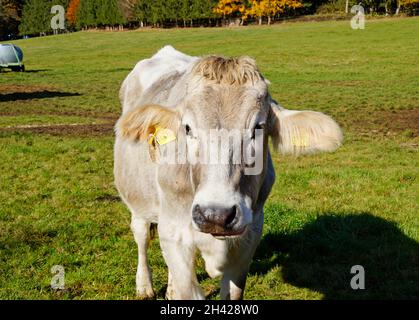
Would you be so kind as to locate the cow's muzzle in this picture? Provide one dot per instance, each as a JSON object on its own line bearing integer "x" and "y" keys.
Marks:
{"x": 218, "y": 221}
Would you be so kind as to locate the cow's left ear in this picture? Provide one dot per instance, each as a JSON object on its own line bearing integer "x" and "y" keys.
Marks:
{"x": 140, "y": 123}
{"x": 303, "y": 132}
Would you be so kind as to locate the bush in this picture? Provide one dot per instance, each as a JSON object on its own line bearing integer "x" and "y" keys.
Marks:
{"x": 335, "y": 6}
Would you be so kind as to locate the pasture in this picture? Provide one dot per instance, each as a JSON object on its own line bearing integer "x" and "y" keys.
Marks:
{"x": 327, "y": 212}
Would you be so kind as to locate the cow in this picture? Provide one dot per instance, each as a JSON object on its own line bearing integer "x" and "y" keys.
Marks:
{"x": 215, "y": 209}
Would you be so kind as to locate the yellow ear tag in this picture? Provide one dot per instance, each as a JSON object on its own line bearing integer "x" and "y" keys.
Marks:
{"x": 162, "y": 136}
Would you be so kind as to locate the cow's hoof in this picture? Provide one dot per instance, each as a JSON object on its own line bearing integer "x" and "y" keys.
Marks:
{"x": 145, "y": 294}
{"x": 170, "y": 294}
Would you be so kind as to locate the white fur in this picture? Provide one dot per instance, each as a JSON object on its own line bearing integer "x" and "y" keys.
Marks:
{"x": 305, "y": 132}
{"x": 165, "y": 61}
{"x": 141, "y": 230}
{"x": 136, "y": 178}
{"x": 216, "y": 191}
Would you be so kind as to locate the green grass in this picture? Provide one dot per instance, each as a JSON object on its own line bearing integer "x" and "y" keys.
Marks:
{"x": 326, "y": 213}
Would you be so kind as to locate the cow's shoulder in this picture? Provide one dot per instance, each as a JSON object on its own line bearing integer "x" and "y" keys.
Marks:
{"x": 153, "y": 75}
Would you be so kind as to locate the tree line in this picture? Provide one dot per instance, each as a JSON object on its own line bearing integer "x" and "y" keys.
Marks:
{"x": 10, "y": 13}
{"x": 32, "y": 17}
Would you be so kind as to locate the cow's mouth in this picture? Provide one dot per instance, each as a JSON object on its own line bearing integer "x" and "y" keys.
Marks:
{"x": 219, "y": 232}
{"x": 228, "y": 233}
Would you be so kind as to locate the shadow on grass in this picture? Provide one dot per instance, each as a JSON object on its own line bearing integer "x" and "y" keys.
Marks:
{"x": 7, "y": 70}
{"x": 321, "y": 254}
{"x": 35, "y": 95}
{"x": 36, "y": 70}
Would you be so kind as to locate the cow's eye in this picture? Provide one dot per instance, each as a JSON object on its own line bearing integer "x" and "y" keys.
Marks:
{"x": 188, "y": 130}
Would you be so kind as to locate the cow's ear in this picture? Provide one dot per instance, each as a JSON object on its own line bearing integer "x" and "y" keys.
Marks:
{"x": 303, "y": 132}
{"x": 140, "y": 123}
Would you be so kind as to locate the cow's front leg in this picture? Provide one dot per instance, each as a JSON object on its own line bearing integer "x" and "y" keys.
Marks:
{"x": 169, "y": 290}
{"x": 179, "y": 255}
{"x": 141, "y": 231}
{"x": 235, "y": 272}
{"x": 233, "y": 283}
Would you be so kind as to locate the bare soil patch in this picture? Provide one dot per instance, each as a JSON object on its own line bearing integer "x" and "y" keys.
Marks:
{"x": 18, "y": 88}
{"x": 389, "y": 123}
{"x": 64, "y": 113}
{"x": 77, "y": 130}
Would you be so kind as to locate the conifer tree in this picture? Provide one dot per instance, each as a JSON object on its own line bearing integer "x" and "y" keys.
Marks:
{"x": 86, "y": 14}
{"x": 36, "y": 17}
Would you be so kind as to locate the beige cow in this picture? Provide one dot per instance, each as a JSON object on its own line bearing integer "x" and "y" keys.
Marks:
{"x": 213, "y": 208}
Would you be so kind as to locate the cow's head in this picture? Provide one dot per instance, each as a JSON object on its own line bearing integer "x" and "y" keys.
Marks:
{"x": 230, "y": 97}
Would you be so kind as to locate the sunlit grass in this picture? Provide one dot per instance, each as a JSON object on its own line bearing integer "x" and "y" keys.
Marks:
{"x": 327, "y": 212}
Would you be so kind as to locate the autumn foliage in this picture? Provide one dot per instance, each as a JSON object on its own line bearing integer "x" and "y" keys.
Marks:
{"x": 408, "y": 3}
{"x": 72, "y": 11}
{"x": 230, "y": 8}
{"x": 254, "y": 8}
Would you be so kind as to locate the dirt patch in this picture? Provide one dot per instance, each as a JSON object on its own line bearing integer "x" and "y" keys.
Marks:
{"x": 18, "y": 88}
{"x": 389, "y": 123}
{"x": 110, "y": 116}
{"x": 77, "y": 130}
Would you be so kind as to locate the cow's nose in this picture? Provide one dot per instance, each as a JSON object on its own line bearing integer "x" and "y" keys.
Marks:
{"x": 218, "y": 216}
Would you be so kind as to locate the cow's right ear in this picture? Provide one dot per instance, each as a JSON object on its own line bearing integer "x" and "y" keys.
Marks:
{"x": 303, "y": 132}
{"x": 140, "y": 123}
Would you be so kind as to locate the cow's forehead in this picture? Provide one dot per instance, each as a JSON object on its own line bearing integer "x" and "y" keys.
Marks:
{"x": 225, "y": 92}
{"x": 220, "y": 106}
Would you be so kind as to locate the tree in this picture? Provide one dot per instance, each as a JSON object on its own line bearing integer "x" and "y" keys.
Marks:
{"x": 127, "y": 9}
{"x": 114, "y": 14}
{"x": 3, "y": 20}
{"x": 72, "y": 11}
{"x": 270, "y": 8}
{"x": 185, "y": 11}
{"x": 142, "y": 11}
{"x": 108, "y": 13}
{"x": 86, "y": 14}
{"x": 409, "y": 5}
{"x": 2, "y": 12}
{"x": 171, "y": 11}
{"x": 203, "y": 9}
{"x": 158, "y": 12}
{"x": 255, "y": 10}
{"x": 230, "y": 8}
{"x": 152, "y": 11}
{"x": 372, "y": 5}
{"x": 99, "y": 13}
{"x": 10, "y": 13}
{"x": 36, "y": 17}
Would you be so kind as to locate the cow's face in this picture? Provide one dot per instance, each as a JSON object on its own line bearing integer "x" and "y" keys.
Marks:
{"x": 223, "y": 126}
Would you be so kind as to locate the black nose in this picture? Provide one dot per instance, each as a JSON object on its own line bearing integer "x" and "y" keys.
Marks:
{"x": 218, "y": 216}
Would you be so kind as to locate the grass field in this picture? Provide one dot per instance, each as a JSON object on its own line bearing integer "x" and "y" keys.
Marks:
{"x": 328, "y": 212}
